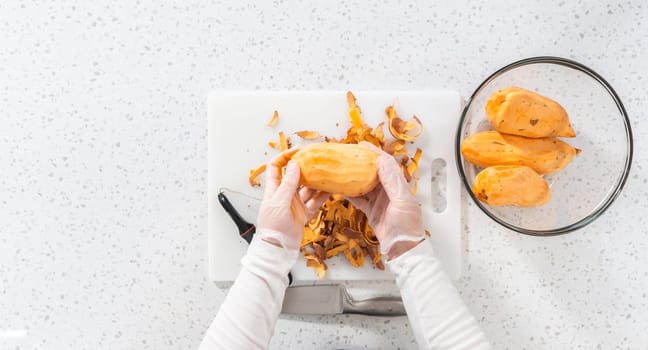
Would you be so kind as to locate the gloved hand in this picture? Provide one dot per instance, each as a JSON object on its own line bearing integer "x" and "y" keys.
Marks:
{"x": 284, "y": 210}
{"x": 392, "y": 210}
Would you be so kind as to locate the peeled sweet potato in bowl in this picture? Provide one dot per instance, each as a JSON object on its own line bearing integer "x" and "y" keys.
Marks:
{"x": 564, "y": 125}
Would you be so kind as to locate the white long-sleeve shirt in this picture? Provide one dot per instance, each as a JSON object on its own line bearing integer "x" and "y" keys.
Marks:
{"x": 438, "y": 316}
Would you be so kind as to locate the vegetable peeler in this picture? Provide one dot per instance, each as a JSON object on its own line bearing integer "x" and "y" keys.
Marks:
{"x": 246, "y": 229}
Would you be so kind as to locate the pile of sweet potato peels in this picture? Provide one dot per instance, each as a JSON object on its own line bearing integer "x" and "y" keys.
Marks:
{"x": 339, "y": 227}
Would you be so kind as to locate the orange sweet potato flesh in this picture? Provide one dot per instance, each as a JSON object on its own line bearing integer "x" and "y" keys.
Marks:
{"x": 518, "y": 111}
{"x": 346, "y": 169}
{"x": 514, "y": 185}
{"x": 545, "y": 155}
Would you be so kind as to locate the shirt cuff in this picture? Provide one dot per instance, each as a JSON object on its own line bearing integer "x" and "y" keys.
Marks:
{"x": 411, "y": 257}
{"x": 267, "y": 260}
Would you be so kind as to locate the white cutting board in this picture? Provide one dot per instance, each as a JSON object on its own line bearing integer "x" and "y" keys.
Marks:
{"x": 238, "y": 141}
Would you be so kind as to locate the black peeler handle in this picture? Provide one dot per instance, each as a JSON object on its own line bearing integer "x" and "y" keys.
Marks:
{"x": 246, "y": 229}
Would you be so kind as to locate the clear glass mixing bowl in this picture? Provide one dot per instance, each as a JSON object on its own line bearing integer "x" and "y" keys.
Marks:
{"x": 589, "y": 184}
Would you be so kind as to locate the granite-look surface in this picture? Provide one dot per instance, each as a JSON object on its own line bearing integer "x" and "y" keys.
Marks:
{"x": 103, "y": 163}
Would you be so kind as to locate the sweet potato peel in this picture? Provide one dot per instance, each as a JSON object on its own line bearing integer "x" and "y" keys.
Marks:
{"x": 339, "y": 228}
{"x": 308, "y": 135}
{"x": 254, "y": 175}
{"x": 283, "y": 142}
{"x": 354, "y": 112}
{"x": 273, "y": 121}
{"x": 401, "y": 129}
{"x": 413, "y": 169}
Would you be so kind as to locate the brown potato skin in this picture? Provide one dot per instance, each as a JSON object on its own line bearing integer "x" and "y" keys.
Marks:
{"x": 522, "y": 112}
{"x": 345, "y": 169}
{"x": 545, "y": 155}
{"x": 514, "y": 185}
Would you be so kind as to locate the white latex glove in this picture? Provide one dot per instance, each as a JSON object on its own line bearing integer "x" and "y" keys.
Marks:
{"x": 392, "y": 210}
{"x": 285, "y": 210}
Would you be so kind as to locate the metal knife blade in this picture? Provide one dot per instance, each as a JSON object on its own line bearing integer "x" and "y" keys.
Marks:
{"x": 334, "y": 299}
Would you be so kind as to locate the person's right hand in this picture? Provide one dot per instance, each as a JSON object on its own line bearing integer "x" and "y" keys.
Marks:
{"x": 286, "y": 207}
{"x": 393, "y": 212}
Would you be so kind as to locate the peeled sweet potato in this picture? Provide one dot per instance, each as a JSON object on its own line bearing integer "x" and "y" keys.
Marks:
{"x": 515, "y": 185}
{"x": 517, "y": 111}
{"x": 545, "y": 155}
{"x": 346, "y": 169}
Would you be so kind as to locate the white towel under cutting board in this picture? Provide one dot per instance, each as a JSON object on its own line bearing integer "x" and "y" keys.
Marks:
{"x": 238, "y": 141}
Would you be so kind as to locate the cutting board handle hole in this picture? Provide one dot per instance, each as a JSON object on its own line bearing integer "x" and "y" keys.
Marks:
{"x": 439, "y": 185}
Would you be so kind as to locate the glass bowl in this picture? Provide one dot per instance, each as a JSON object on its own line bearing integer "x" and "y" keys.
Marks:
{"x": 583, "y": 190}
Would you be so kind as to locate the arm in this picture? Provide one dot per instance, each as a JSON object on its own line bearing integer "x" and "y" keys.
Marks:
{"x": 438, "y": 316}
{"x": 248, "y": 315}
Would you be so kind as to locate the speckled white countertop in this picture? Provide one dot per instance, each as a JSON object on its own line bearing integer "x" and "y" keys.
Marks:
{"x": 103, "y": 163}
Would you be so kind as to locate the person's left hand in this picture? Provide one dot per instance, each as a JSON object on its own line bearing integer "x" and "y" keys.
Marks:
{"x": 285, "y": 210}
